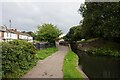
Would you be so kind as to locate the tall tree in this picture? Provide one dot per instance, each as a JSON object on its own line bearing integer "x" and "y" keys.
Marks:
{"x": 74, "y": 34}
{"x": 48, "y": 32}
{"x": 101, "y": 19}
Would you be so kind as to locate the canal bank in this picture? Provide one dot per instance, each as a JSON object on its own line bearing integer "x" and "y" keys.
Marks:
{"x": 71, "y": 68}
{"x": 95, "y": 66}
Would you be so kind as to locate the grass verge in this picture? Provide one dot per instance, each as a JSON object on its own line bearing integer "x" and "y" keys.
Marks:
{"x": 42, "y": 54}
{"x": 69, "y": 67}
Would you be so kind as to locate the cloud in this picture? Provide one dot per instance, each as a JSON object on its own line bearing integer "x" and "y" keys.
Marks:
{"x": 27, "y": 15}
{"x": 43, "y": 1}
{"x": 0, "y": 13}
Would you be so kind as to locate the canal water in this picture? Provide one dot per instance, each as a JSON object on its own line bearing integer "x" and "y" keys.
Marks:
{"x": 99, "y": 66}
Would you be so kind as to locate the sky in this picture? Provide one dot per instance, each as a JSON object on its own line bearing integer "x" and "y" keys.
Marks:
{"x": 25, "y": 16}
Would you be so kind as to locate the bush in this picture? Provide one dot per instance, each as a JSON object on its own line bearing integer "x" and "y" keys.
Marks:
{"x": 17, "y": 57}
{"x": 104, "y": 52}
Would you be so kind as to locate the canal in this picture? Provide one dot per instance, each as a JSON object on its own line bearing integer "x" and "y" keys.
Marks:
{"x": 99, "y": 66}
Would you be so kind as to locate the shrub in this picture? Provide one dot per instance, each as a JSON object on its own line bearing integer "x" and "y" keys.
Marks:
{"x": 104, "y": 52}
{"x": 17, "y": 57}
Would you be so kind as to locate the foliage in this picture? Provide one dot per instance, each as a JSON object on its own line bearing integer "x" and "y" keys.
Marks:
{"x": 48, "y": 32}
{"x": 104, "y": 48}
{"x": 69, "y": 66}
{"x": 101, "y": 19}
{"x": 42, "y": 54}
{"x": 104, "y": 52}
{"x": 88, "y": 40}
{"x": 17, "y": 58}
{"x": 74, "y": 34}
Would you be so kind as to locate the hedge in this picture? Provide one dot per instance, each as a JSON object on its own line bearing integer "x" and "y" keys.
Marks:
{"x": 17, "y": 57}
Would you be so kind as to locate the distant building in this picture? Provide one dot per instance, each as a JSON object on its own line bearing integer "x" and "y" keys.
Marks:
{"x": 2, "y": 31}
{"x": 12, "y": 34}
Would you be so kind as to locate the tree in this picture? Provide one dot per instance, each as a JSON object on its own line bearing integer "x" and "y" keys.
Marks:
{"x": 74, "y": 34}
{"x": 101, "y": 19}
{"x": 48, "y": 32}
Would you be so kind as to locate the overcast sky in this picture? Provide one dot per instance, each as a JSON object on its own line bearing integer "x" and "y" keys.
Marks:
{"x": 27, "y": 15}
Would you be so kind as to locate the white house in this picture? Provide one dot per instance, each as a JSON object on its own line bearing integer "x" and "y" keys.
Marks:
{"x": 12, "y": 34}
{"x": 23, "y": 37}
{"x": 27, "y": 37}
{"x": 0, "y": 36}
{"x": 30, "y": 39}
{"x": 2, "y": 30}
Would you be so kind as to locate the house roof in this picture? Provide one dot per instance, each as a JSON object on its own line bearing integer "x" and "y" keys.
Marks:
{"x": 2, "y": 28}
{"x": 5, "y": 29}
{"x": 17, "y": 32}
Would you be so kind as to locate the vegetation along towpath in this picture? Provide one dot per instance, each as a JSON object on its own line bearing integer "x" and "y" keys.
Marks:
{"x": 51, "y": 67}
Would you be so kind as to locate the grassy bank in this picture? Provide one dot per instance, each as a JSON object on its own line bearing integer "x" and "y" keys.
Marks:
{"x": 107, "y": 48}
{"x": 42, "y": 54}
{"x": 100, "y": 47}
{"x": 69, "y": 66}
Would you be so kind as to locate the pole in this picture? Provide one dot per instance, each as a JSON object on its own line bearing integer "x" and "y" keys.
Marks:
{"x": 10, "y": 28}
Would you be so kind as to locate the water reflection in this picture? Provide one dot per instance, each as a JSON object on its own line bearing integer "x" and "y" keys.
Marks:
{"x": 100, "y": 67}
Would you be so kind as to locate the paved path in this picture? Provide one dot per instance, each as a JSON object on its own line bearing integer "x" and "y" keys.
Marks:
{"x": 50, "y": 67}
